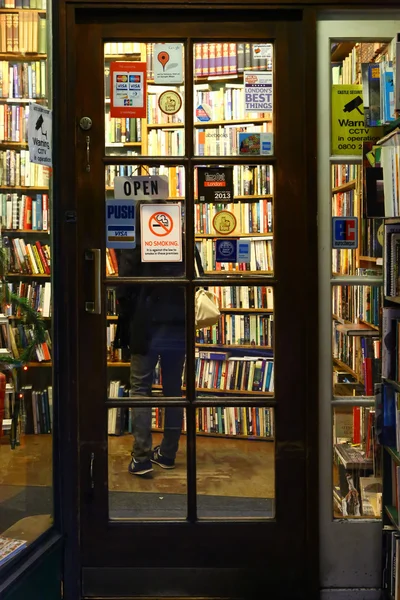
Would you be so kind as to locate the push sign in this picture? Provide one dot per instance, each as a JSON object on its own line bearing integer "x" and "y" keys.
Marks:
{"x": 344, "y": 232}
{"x": 120, "y": 224}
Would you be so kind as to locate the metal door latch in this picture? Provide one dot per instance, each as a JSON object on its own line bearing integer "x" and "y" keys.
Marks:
{"x": 85, "y": 123}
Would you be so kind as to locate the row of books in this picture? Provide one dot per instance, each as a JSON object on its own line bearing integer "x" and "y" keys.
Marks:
{"x": 163, "y": 142}
{"x": 243, "y": 296}
{"x": 224, "y": 104}
{"x": 38, "y": 296}
{"x": 249, "y": 180}
{"x": 361, "y": 354}
{"x": 14, "y": 123}
{"x": 344, "y": 173}
{"x": 25, "y": 80}
{"x": 261, "y": 256}
{"x": 370, "y": 244}
{"x": 111, "y": 263}
{"x": 17, "y": 170}
{"x": 239, "y": 420}
{"x": 10, "y": 547}
{"x": 114, "y": 48}
{"x": 244, "y": 330}
{"x": 36, "y": 4}
{"x": 229, "y": 58}
{"x": 19, "y": 336}
{"x": 378, "y": 93}
{"x": 32, "y": 258}
{"x": 390, "y": 161}
{"x": 355, "y": 303}
{"x": 391, "y": 561}
{"x": 23, "y": 32}
{"x": 224, "y": 140}
{"x": 392, "y": 260}
{"x": 36, "y": 410}
{"x": 25, "y": 212}
{"x": 349, "y": 70}
{"x": 251, "y": 217}
{"x": 121, "y": 131}
{"x": 245, "y": 373}
{"x": 355, "y": 425}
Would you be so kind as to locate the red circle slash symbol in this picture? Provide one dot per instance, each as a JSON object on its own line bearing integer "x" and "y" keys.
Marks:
{"x": 160, "y": 224}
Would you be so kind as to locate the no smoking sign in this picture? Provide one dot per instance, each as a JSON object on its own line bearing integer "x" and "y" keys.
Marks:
{"x": 161, "y": 232}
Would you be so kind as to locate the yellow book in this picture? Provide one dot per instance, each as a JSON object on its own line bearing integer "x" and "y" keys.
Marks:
{"x": 37, "y": 258}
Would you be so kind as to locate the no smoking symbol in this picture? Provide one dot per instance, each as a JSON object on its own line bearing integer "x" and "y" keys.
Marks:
{"x": 160, "y": 224}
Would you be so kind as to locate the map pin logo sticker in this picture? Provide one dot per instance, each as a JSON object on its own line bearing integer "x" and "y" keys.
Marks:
{"x": 163, "y": 58}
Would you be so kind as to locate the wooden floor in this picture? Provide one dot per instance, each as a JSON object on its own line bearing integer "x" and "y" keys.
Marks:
{"x": 225, "y": 467}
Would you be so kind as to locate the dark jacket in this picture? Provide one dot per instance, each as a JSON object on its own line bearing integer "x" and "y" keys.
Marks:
{"x": 142, "y": 309}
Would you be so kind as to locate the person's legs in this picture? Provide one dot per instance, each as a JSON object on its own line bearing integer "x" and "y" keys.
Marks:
{"x": 141, "y": 378}
{"x": 171, "y": 368}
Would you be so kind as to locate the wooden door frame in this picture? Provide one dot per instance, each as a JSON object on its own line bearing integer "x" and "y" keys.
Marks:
{"x": 66, "y": 234}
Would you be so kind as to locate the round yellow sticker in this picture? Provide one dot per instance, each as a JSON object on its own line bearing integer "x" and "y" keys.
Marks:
{"x": 224, "y": 222}
{"x": 170, "y": 102}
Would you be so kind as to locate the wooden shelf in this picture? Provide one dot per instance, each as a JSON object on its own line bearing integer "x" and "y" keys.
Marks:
{"x": 222, "y": 435}
{"x": 345, "y": 187}
{"x": 18, "y": 231}
{"x": 32, "y": 275}
{"x": 238, "y": 235}
{"x": 112, "y": 317}
{"x": 371, "y": 259}
{"x": 392, "y": 513}
{"x": 24, "y": 188}
{"x": 247, "y": 310}
{"x": 39, "y": 364}
{"x": 346, "y": 368}
{"x": 165, "y": 125}
{"x": 13, "y": 144}
{"x": 22, "y": 100}
{"x": 393, "y": 453}
{"x": 23, "y": 318}
{"x": 252, "y": 197}
{"x": 131, "y": 56}
{"x": 243, "y": 121}
{"x": 123, "y": 144}
{"x": 232, "y": 346}
{"x": 395, "y": 299}
{"x": 341, "y": 51}
{"x": 238, "y": 272}
{"x": 26, "y": 56}
{"x": 23, "y": 10}
{"x": 234, "y": 392}
{"x": 370, "y": 325}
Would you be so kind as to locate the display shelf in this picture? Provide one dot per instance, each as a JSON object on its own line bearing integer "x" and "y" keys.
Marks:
{"x": 234, "y": 392}
{"x": 222, "y": 272}
{"x": 35, "y": 365}
{"x": 164, "y": 125}
{"x": 395, "y": 299}
{"x": 18, "y": 231}
{"x": 345, "y": 187}
{"x": 13, "y": 144}
{"x": 243, "y": 121}
{"x": 31, "y": 275}
{"x": 123, "y": 144}
{"x": 22, "y": 100}
{"x": 24, "y": 188}
{"x": 238, "y": 235}
{"x": 247, "y": 310}
{"x": 341, "y": 51}
{"x": 370, "y": 325}
{"x": 21, "y": 56}
{"x": 234, "y": 346}
{"x": 41, "y": 11}
{"x": 346, "y": 368}
{"x": 130, "y": 56}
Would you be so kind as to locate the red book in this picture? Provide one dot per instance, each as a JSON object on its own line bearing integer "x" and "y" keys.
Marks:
{"x": 369, "y": 388}
{"x": 356, "y": 425}
{"x": 114, "y": 261}
{"x": 28, "y": 213}
{"x": 43, "y": 258}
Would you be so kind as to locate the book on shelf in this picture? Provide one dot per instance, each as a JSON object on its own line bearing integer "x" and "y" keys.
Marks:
{"x": 36, "y": 410}
{"x": 261, "y": 256}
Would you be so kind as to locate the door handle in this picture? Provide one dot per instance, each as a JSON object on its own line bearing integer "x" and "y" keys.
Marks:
{"x": 94, "y": 306}
{"x": 91, "y": 471}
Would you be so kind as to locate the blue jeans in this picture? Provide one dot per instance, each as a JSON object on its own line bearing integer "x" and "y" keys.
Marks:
{"x": 168, "y": 342}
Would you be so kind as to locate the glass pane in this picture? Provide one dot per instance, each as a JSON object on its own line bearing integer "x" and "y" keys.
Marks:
{"x": 234, "y": 218}
{"x": 357, "y": 480}
{"x": 235, "y": 462}
{"x": 146, "y": 351}
{"x": 356, "y": 316}
{"x": 145, "y": 221}
{"x": 144, "y": 98}
{"x": 233, "y": 98}
{"x": 145, "y": 490}
{"x": 26, "y": 416}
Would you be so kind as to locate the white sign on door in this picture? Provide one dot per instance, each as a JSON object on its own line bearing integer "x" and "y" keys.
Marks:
{"x": 39, "y": 135}
{"x": 141, "y": 187}
{"x": 168, "y": 63}
{"x": 161, "y": 232}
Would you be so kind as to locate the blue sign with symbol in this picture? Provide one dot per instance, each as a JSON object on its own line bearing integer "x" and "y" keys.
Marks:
{"x": 120, "y": 224}
{"x": 344, "y": 232}
{"x": 226, "y": 250}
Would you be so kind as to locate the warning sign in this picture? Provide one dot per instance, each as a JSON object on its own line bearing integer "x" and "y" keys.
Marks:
{"x": 348, "y": 127}
{"x": 161, "y": 227}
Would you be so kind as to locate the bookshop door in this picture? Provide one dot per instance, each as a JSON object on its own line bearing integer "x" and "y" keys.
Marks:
{"x": 195, "y": 450}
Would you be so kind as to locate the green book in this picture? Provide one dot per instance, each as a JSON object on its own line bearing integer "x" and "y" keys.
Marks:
{"x": 42, "y": 43}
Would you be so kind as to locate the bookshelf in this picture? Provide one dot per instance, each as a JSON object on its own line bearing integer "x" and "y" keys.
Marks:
{"x": 25, "y": 199}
